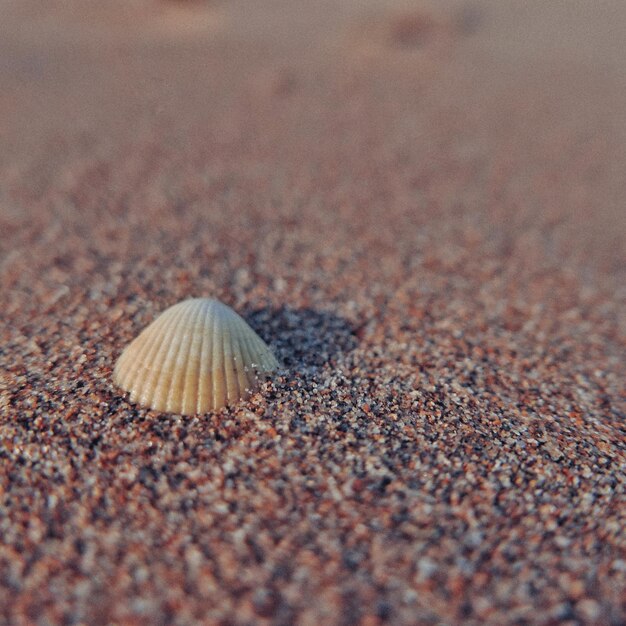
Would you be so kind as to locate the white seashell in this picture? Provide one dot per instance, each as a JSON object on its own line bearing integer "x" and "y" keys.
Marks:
{"x": 197, "y": 356}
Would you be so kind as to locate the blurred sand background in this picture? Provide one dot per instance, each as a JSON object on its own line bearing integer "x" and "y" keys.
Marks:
{"x": 420, "y": 206}
{"x": 532, "y": 89}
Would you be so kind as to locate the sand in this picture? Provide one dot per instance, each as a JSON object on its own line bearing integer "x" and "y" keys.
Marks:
{"x": 420, "y": 207}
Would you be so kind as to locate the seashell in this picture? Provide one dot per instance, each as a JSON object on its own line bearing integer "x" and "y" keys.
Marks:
{"x": 197, "y": 356}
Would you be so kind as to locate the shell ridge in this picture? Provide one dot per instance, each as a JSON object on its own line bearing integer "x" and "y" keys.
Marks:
{"x": 134, "y": 367}
{"x": 232, "y": 386}
{"x": 268, "y": 360}
{"x": 169, "y": 345}
{"x": 191, "y": 362}
{"x": 232, "y": 382}
{"x": 225, "y": 367}
{"x": 203, "y": 347}
{"x": 137, "y": 366}
{"x": 215, "y": 360}
{"x": 265, "y": 363}
{"x": 127, "y": 365}
{"x": 253, "y": 361}
{"x": 253, "y": 368}
{"x": 243, "y": 363}
{"x": 246, "y": 360}
{"x": 240, "y": 364}
{"x": 211, "y": 358}
{"x": 122, "y": 366}
{"x": 259, "y": 350}
{"x": 177, "y": 377}
{"x": 150, "y": 383}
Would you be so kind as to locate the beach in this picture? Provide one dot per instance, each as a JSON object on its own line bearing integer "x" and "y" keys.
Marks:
{"x": 419, "y": 207}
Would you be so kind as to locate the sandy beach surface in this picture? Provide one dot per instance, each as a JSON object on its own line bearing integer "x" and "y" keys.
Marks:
{"x": 420, "y": 206}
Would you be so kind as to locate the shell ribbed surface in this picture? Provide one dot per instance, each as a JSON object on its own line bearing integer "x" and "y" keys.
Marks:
{"x": 197, "y": 356}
